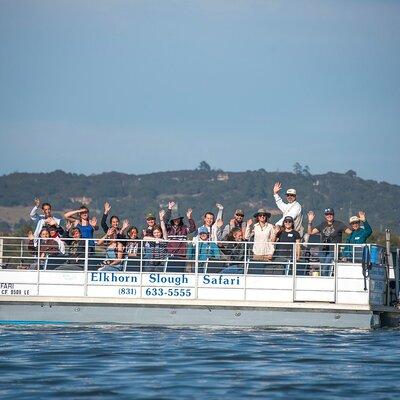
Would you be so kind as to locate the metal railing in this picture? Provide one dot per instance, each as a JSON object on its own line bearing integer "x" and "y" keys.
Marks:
{"x": 294, "y": 267}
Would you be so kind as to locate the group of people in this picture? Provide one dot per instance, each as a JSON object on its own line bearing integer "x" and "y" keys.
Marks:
{"x": 164, "y": 238}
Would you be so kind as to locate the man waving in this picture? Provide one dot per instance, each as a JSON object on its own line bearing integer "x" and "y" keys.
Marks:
{"x": 290, "y": 209}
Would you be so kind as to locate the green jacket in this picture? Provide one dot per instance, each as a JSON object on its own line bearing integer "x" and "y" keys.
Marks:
{"x": 361, "y": 235}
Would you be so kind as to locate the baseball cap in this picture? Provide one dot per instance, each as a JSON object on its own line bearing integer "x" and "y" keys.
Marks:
{"x": 291, "y": 191}
{"x": 150, "y": 216}
{"x": 202, "y": 229}
{"x": 239, "y": 212}
{"x": 354, "y": 218}
{"x": 329, "y": 211}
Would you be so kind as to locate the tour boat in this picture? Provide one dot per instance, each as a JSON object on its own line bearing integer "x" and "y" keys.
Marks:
{"x": 357, "y": 291}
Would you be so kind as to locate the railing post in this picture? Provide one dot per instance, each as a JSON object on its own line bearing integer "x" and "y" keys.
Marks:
{"x": 335, "y": 270}
{"x": 86, "y": 265}
{"x": 141, "y": 269}
{"x": 38, "y": 266}
{"x": 196, "y": 268}
{"x": 294, "y": 274}
{"x": 397, "y": 274}
{"x": 1, "y": 250}
{"x": 245, "y": 270}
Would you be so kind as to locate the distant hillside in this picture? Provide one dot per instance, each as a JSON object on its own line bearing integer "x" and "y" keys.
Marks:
{"x": 132, "y": 196}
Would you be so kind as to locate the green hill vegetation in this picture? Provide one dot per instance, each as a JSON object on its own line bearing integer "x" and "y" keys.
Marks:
{"x": 131, "y": 196}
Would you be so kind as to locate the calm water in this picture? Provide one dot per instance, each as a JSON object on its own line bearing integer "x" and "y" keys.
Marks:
{"x": 105, "y": 362}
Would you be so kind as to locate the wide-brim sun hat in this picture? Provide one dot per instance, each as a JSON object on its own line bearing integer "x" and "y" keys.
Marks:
{"x": 262, "y": 211}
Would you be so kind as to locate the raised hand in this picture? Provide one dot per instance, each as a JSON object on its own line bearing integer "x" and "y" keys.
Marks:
{"x": 125, "y": 224}
{"x": 277, "y": 187}
{"x": 107, "y": 207}
{"x": 219, "y": 223}
{"x": 93, "y": 222}
{"x": 250, "y": 222}
{"x": 361, "y": 215}
{"x": 68, "y": 225}
{"x": 277, "y": 229}
{"x": 189, "y": 213}
{"x": 232, "y": 223}
{"x": 50, "y": 221}
{"x": 219, "y": 206}
{"x": 171, "y": 205}
{"x": 310, "y": 216}
{"x": 37, "y": 202}
{"x": 162, "y": 214}
{"x": 110, "y": 231}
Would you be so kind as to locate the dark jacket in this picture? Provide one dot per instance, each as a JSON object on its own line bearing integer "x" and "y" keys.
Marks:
{"x": 179, "y": 235}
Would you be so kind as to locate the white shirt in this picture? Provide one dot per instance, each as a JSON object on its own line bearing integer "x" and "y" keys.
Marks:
{"x": 263, "y": 244}
{"x": 40, "y": 218}
{"x": 290, "y": 210}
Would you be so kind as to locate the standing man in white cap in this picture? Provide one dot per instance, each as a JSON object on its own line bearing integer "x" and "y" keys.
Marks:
{"x": 290, "y": 209}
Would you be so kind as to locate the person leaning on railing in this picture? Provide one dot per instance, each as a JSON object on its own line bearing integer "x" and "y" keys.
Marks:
{"x": 177, "y": 234}
{"x": 75, "y": 252}
{"x": 114, "y": 222}
{"x": 80, "y": 219}
{"x": 263, "y": 235}
{"x": 234, "y": 251}
{"x": 155, "y": 247}
{"x": 46, "y": 246}
{"x": 114, "y": 251}
{"x": 133, "y": 248}
{"x": 331, "y": 231}
{"x": 286, "y": 238}
{"x": 361, "y": 231}
{"x": 207, "y": 251}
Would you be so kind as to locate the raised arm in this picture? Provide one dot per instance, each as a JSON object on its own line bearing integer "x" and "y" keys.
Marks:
{"x": 298, "y": 249}
{"x": 366, "y": 225}
{"x": 249, "y": 229}
{"x": 33, "y": 214}
{"x": 167, "y": 215}
{"x": 103, "y": 223}
{"x": 162, "y": 224}
{"x": 278, "y": 200}
{"x": 220, "y": 211}
{"x": 105, "y": 237}
{"x": 192, "y": 224}
{"x": 70, "y": 215}
{"x": 310, "y": 229}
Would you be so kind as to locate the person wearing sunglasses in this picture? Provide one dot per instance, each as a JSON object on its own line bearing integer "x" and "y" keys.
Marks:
{"x": 331, "y": 231}
{"x": 290, "y": 209}
{"x": 236, "y": 222}
{"x": 263, "y": 234}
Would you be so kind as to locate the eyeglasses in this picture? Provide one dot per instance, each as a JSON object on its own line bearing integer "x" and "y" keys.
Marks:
{"x": 239, "y": 215}
{"x": 328, "y": 214}
{"x": 290, "y": 195}
{"x": 288, "y": 222}
{"x": 262, "y": 215}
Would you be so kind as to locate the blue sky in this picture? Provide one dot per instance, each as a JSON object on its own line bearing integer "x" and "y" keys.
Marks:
{"x": 144, "y": 86}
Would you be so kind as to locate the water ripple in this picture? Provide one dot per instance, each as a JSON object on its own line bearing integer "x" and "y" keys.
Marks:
{"x": 105, "y": 362}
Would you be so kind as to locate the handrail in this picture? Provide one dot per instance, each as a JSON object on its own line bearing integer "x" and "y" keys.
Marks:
{"x": 237, "y": 256}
